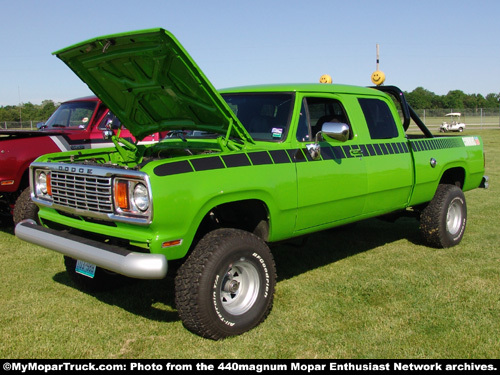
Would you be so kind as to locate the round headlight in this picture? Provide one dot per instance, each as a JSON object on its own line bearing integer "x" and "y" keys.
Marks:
{"x": 41, "y": 183}
{"x": 141, "y": 197}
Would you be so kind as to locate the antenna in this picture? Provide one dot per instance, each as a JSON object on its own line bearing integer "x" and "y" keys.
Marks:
{"x": 20, "y": 107}
{"x": 378, "y": 77}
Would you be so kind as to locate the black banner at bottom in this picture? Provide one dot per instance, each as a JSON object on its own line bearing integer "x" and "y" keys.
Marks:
{"x": 258, "y": 366}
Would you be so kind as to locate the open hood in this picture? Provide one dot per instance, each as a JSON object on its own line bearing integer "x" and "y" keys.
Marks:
{"x": 151, "y": 84}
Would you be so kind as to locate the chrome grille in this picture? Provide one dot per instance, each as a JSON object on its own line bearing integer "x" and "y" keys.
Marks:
{"x": 82, "y": 192}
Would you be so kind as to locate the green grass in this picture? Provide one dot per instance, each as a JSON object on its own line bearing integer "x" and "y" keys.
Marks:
{"x": 371, "y": 290}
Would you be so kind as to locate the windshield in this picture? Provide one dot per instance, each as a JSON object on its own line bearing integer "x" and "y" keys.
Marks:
{"x": 264, "y": 115}
{"x": 72, "y": 115}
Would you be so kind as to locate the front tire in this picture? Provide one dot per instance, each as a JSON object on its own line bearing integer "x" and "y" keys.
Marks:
{"x": 25, "y": 208}
{"x": 226, "y": 286}
{"x": 443, "y": 221}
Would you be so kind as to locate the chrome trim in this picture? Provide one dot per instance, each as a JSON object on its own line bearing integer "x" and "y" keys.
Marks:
{"x": 99, "y": 172}
{"x": 82, "y": 191}
{"x": 113, "y": 258}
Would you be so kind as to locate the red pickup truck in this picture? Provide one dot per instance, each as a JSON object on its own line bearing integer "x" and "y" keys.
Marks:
{"x": 76, "y": 125}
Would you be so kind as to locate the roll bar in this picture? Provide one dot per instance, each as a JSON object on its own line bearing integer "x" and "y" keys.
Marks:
{"x": 408, "y": 112}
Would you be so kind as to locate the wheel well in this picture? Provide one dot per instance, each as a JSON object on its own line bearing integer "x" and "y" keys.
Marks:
{"x": 454, "y": 176}
{"x": 25, "y": 180}
{"x": 249, "y": 215}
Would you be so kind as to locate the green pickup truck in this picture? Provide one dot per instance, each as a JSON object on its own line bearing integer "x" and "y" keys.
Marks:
{"x": 239, "y": 169}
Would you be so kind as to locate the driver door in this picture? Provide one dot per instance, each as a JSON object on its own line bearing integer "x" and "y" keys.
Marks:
{"x": 332, "y": 188}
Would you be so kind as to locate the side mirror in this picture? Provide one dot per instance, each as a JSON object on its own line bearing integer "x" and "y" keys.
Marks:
{"x": 335, "y": 130}
{"x": 108, "y": 132}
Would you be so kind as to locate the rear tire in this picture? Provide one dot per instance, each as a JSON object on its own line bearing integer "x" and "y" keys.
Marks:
{"x": 226, "y": 286}
{"x": 443, "y": 221}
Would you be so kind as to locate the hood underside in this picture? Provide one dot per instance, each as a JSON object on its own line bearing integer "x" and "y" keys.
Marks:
{"x": 151, "y": 84}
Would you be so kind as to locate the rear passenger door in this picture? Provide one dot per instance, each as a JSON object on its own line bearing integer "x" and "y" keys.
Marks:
{"x": 334, "y": 187}
{"x": 388, "y": 160}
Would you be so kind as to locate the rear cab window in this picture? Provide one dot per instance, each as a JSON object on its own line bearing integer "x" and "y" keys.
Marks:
{"x": 379, "y": 118}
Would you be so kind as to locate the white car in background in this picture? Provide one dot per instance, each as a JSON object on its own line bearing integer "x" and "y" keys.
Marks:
{"x": 455, "y": 125}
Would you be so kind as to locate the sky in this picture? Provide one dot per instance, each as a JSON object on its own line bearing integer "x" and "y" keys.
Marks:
{"x": 440, "y": 45}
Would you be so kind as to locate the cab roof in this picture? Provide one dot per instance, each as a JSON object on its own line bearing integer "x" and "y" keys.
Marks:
{"x": 304, "y": 87}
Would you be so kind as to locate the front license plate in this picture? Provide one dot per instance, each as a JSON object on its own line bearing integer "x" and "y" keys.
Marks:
{"x": 85, "y": 268}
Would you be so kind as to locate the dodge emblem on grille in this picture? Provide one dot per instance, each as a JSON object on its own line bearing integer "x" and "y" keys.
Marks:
{"x": 75, "y": 169}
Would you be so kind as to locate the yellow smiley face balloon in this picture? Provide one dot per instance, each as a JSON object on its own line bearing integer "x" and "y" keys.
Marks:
{"x": 325, "y": 78}
{"x": 378, "y": 77}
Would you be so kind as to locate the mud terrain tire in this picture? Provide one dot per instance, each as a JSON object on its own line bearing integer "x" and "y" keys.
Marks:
{"x": 443, "y": 221}
{"x": 226, "y": 286}
{"x": 25, "y": 208}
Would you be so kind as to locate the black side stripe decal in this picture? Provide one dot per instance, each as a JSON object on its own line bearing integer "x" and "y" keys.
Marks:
{"x": 280, "y": 156}
{"x": 176, "y": 167}
{"x": 302, "y": 155}
{"x": 236, "y": 160}
{"x": 260, "y": 158}
{"x": 206, "y": 164}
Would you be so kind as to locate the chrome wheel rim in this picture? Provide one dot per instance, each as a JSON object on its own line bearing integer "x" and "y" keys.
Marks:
{"x": 454, "y": 217}
{"x": 240, "y": 287}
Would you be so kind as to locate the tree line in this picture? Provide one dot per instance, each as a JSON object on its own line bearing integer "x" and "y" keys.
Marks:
{"x": 419, "y": 98}
{"x": 28, "y": 111}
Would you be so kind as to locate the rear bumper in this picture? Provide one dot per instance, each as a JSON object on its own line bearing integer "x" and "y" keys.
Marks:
{"x": 485, "y": 182}
{"x": 113, "y": 258}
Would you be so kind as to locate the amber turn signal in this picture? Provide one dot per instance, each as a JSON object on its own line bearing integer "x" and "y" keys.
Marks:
{"x": 121, "y": 195}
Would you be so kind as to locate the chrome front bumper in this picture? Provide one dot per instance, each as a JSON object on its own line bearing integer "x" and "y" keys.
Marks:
{"x": 113, "y": 258}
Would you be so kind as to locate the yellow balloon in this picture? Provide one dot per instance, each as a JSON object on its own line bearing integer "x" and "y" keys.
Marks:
{"x": 325, "y": 78}
{"x": 378, "y": 77}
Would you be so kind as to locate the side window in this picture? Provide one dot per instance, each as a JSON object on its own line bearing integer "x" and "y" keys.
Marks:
{"x": 303, "y": 134}
{"x": 314, "y": 113}
{"x": 379, "y": 119}
{"x": 110, "y": 118}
